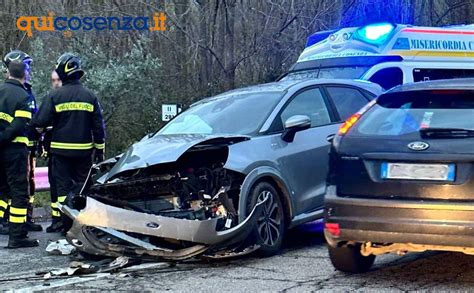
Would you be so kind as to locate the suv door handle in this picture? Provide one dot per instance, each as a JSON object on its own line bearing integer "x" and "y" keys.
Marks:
{"x": 330, "y": 137}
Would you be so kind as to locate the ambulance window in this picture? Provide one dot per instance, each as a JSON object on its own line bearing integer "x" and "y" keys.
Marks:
{"x": 434, "y": 74}
{"x": 388, "y": 77}
{"x": 346, "y": 100}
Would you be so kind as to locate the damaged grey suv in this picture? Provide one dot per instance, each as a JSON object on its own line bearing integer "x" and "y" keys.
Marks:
{"x": 226, "y": 177}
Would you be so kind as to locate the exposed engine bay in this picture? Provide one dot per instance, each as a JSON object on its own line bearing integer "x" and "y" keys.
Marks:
{"x": 197, "y": 187}
{"x": 172, "y": 210}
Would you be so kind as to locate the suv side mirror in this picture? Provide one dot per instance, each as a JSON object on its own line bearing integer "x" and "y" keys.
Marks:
{"x": 293, "y": 125}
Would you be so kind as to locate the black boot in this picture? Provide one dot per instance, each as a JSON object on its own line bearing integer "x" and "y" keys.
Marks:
{"x": 4, "y": 230}
{"x": 21, "y": 242}
{"x": 30, "y": 224}
{"x": 19, "y": 236}
{"x": 4, "y": 227}
{"x": 56, "y": 227}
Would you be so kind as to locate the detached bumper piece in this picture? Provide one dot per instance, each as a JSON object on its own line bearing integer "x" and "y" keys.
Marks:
{"x": 100, "y": 229}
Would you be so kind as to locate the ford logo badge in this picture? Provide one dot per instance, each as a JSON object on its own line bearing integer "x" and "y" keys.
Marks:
{"x": 153, "y": 225}
{"x": 418, "y": 146}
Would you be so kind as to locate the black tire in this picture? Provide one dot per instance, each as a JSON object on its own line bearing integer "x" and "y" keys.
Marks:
{"x": 270, "y": 228}
{"x": 349, "y": 259}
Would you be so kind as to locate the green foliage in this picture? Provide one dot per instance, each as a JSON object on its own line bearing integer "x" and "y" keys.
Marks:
{"x": 43, "y": 64}
{"x": 42, "y": 199}
{"x": 127, "y": 88}
{"x": 129, "y": 93}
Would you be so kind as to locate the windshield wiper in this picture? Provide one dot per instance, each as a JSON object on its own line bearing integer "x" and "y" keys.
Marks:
{"x": 446, "y": 132}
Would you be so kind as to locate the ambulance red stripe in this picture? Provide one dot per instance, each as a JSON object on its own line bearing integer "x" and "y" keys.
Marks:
{"x": 413, "y": 30}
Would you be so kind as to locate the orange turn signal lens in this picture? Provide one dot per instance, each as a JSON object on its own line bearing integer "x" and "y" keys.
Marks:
{"x": 348, "y": 124}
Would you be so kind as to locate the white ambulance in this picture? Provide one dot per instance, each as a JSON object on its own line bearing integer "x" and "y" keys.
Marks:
{"x": 388, "y": 54}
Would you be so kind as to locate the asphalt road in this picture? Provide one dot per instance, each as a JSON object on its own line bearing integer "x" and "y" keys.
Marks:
{"x": 303, "y": 266}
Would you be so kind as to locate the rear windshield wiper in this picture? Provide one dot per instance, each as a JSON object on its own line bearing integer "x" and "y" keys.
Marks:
{"x": 446, "y": 132}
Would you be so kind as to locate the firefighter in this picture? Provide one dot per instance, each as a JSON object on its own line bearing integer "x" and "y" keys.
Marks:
{"x": 55, "y": 80}
{"x": 32, "y": 135}
{"x": 78, "y": 133}
{"x": 32, "y": 140}
{"x": 15, "y": 113}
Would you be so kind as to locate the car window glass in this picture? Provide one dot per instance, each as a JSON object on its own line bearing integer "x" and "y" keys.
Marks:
{"x": 388, "y": 77}
{"x": 347, "y": 100}
{"x": 424, "y": 74}
{"x": 404, "y": 113}
{"x": 234, "y": 113}
{"x": 309, "y": 103}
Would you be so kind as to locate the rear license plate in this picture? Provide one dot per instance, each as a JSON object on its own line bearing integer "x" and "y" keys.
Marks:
{"x": 437, "y": 172}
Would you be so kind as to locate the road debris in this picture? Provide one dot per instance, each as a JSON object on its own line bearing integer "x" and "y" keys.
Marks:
{"x": 60, "y": 247}
{"x": 104, "y": 266}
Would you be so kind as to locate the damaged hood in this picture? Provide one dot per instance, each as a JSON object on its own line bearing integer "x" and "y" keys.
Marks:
{"x": 161, "y": 149}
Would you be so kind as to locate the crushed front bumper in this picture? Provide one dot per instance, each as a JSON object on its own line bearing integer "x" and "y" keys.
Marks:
{"x": 388, "y": 221}
{"x": 121, "y": 224}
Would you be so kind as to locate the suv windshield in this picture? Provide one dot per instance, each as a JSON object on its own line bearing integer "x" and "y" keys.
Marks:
{"x": 402, "y": 113}
{"x": 346, "y": 72}
{"x": 236, "y": 113}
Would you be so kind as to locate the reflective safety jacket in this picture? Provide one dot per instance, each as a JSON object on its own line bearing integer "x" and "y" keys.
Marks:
{"x": 15, "y": 113}
{"x": 32, "y": 134}
{"x": 76, "y": 117}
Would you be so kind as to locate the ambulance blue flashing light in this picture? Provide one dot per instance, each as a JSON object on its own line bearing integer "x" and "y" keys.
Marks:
{"x": 375, "y": 34}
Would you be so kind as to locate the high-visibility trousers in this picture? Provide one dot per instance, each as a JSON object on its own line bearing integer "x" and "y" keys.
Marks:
{"x": 14, "y": 185}
{"x": 55, "y": 213}
{"x": 70, "y": 174}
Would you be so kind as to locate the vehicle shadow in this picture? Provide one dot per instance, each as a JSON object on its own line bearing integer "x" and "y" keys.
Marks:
{"x": 411, "y": 272}
{"x": 416, "y": 271}
{"x": 304, "y": 236}
{"x": 444, "y": 271}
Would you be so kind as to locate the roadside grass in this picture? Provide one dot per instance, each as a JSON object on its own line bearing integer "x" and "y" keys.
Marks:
{"x": 42, "y": 199}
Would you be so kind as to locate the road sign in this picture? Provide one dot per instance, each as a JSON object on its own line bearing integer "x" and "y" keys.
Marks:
{"x": 168, "y": 111}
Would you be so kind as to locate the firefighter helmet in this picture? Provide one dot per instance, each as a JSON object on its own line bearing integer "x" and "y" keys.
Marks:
{"x": 68, "y": 66}
{"x": 17, "y": 55}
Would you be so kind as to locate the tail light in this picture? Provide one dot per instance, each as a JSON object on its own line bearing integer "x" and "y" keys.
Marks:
{"x": 333, "y": 229}
{"x": 348, "y": 124}
{"x": 352, "y": 120}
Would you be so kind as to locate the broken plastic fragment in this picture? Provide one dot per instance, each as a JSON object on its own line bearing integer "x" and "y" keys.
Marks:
{"x": 60, "y": 247}
{"x": 120, "y": 261}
